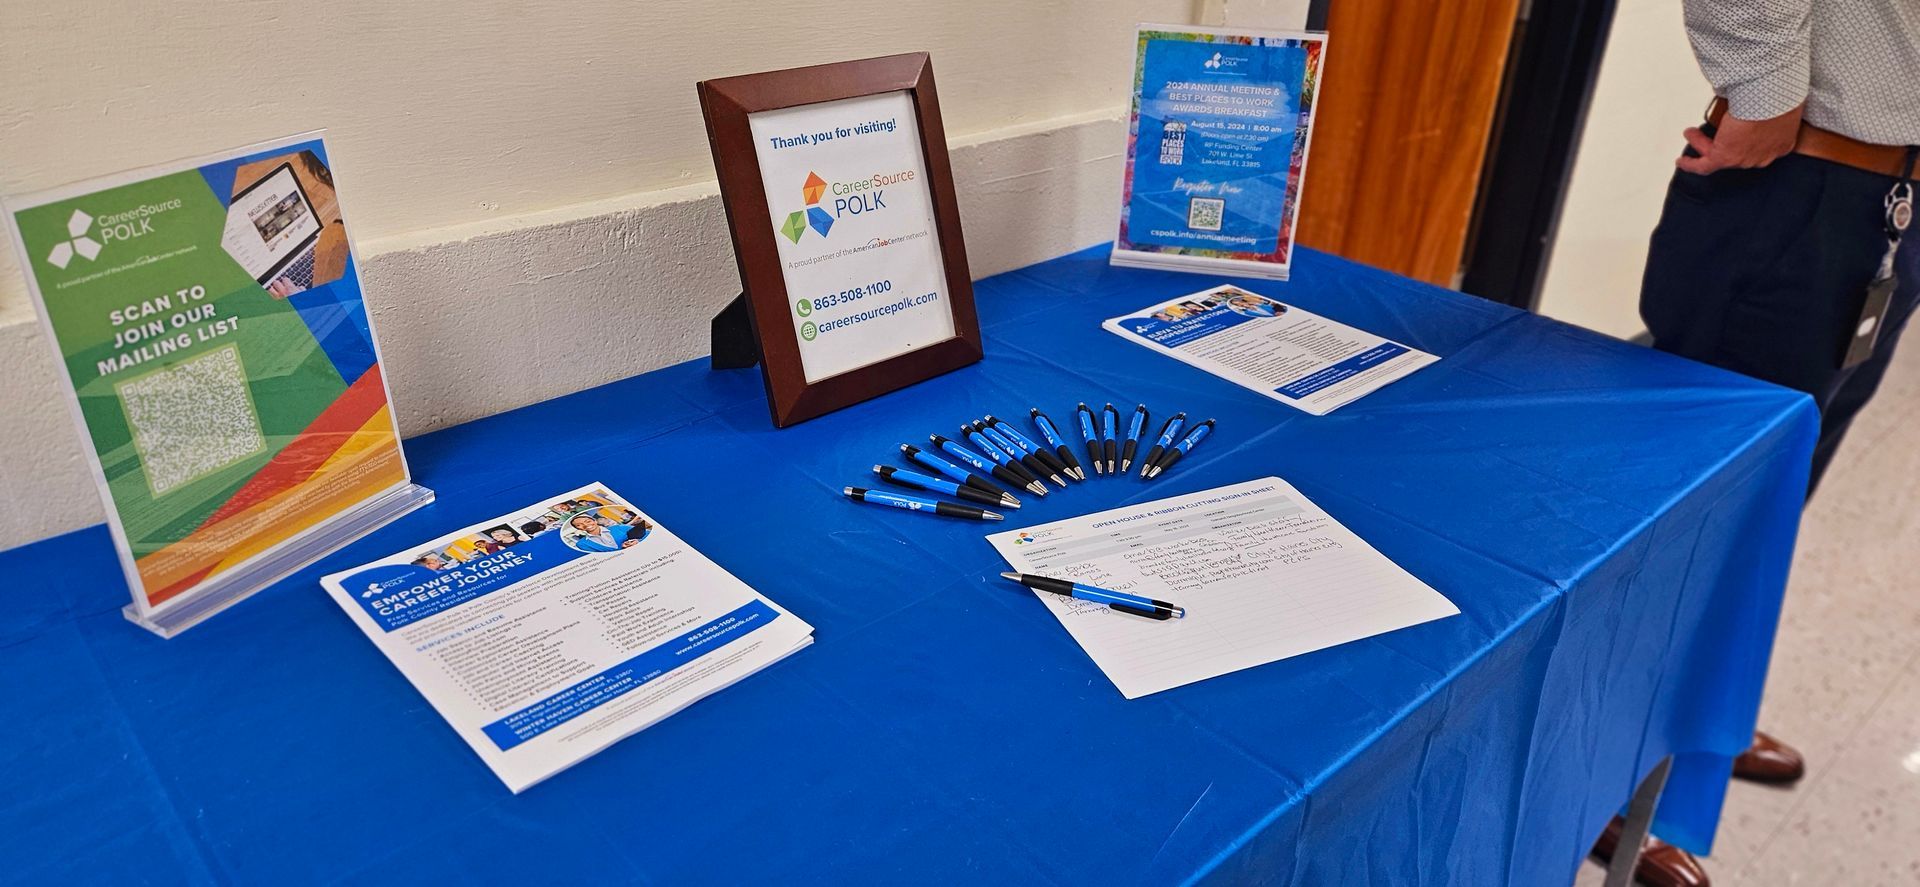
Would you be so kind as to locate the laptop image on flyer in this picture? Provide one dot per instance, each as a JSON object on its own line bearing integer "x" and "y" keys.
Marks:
{"x": 271, "y": 231}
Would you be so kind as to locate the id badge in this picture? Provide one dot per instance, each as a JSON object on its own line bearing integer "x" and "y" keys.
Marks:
{"x": 1866, "y": 331}
{"x": 1873, "y": 312}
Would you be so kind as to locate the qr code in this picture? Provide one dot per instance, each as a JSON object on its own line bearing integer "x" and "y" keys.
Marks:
{"x": 1203, "y": 213}
{"x": 192, "y": 419}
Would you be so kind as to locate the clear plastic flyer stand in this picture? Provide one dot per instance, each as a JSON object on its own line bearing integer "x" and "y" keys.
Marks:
{"x": 219, "y": 361}
{"x": 240, "y": 584}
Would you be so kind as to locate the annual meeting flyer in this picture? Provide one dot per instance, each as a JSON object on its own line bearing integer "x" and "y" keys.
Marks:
{"x": 1217, "y": 148}
{"x": 1293, "y": 356}
{"x": 548, "y": 634}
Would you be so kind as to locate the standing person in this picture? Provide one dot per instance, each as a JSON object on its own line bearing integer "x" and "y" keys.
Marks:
{"x": 1780, "y": 222}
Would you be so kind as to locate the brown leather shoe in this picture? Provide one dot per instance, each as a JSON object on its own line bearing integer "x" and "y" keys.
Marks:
{"x": 1661, "y": 864}
{"x": 1770, "y": 761}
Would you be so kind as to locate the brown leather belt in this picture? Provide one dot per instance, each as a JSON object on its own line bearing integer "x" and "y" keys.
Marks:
{"x": 1886, "y": 160}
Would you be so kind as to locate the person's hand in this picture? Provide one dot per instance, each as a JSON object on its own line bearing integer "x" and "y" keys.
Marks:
{"x": 1741, "y": 144}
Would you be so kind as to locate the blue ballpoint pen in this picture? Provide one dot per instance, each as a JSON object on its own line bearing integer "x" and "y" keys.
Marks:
{"x": 1000, "y": 457}
{"x": 920, "y": 481}
{"x": 991, "y": 468}
{"x": 1054, "y": 465}
{"x": 951, "y": 470}
{"x": 1110, "y": 437}
{"x": 1092, "y": 437}
{"x": 1060, "y": 448}
{"x": 1131, "y": 604}
{"x": 1028, "y": 458}
{"x": 918, "y": 503}
{"x": 1134, "y": 429}
{"x": 1000, "y": 442}
{"x": 1169, "y": 433}
{"x": 1185, "y": 446}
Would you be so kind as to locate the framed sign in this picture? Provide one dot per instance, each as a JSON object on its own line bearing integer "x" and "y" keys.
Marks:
{"x": 840, "y": 200}
{"x": 1217, "y": 149}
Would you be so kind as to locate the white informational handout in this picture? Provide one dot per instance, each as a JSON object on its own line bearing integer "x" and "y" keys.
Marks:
{"x": 548, "y": 634}
{"x": 1293, "y": 356}
{"x": 1263, "y": 574}
{"x": 847, "y": 190}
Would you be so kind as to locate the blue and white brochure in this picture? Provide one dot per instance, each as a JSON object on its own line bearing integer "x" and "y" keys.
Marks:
{"x": 1293, "y": 356}
{"x": 548, "y": 634}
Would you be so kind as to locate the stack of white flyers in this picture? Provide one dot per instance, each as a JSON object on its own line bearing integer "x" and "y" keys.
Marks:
{"x": 551, "y": 633}
{"x": 1293, "y": 356}
{"x": 1263, "y": 573}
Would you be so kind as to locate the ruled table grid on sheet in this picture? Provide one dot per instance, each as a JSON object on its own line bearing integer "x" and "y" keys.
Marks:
{"x": 1264, "y": 574}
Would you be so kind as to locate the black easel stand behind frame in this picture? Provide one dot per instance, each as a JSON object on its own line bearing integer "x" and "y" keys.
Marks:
{"x": 735, "y": 346}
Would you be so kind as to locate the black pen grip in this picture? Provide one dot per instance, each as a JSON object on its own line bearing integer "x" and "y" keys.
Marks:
{"x": 983, "y": 485}
{"x": 1034, "y": 464}
{"x": 1054, "y": 465}
{"x": 1020, "y": 471}
{"x": 1047, "y": 583}
{"x": 1136, "y": 611}
{"x": 973, "y": 495}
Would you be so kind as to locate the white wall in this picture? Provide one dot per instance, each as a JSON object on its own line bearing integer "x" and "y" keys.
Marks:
{"x": 1650, "y": 89}
{"x": 544, "y": 158}
{"x": 1284, "y": 15}
{"x": 443, "y": 112}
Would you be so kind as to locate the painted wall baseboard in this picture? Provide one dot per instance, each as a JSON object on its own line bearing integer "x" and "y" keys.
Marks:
{"x": 481, "y": 318}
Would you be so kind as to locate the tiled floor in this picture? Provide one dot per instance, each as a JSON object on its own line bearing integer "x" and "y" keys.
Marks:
{"x": 1845, "y": 681}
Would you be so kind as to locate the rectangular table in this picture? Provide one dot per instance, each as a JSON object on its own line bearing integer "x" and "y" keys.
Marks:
{"x": 1615, "y": 525}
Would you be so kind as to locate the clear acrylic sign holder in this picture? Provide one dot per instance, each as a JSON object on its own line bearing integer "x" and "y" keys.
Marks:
{"x": 185, "y": 296}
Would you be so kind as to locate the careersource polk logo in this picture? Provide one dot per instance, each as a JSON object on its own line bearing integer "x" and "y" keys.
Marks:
{"x": 849, "y": 199}
{"x": 1219, "y": 61}
{"x": 813, "y": 216}
{"x": 79, "y": 225}
{"x": 136, "y": 222}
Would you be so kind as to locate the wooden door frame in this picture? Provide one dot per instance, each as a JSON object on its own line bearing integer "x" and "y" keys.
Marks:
{"x": 1405, "y": 120}
{"x": 1552, "y": 67}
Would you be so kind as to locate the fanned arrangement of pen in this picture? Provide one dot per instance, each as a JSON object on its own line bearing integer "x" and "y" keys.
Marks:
{"x": 1003, "y": 453}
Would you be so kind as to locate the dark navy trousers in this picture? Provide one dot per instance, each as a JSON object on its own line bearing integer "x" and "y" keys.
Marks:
{"x": 1764, "y": 272}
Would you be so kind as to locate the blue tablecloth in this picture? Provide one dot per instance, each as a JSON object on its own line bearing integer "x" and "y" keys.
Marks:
{"x": 1614, "y": 524}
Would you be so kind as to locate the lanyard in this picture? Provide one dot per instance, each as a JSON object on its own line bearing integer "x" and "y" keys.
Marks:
{"x": 1879, "y": 296}
{"x": 1899, "y": 213}
{"x": 1899, "y": 202}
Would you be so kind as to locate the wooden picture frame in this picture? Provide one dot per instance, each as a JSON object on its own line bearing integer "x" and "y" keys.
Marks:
{"x": 769, "y": 308}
